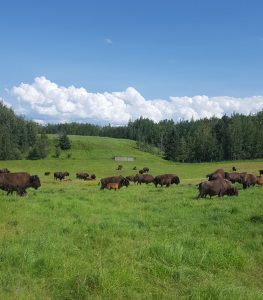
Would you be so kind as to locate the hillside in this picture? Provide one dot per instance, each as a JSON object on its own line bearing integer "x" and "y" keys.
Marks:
{"x": 94, "y": 155}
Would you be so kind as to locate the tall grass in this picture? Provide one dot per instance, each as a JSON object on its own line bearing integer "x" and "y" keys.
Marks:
{"x": 69, "y": 240}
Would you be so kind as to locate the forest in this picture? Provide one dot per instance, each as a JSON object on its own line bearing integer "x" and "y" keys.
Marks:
{"x": 228, "y": 138}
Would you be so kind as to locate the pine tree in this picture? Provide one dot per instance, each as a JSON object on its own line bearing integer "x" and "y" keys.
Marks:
{"x": 63, "y": 141}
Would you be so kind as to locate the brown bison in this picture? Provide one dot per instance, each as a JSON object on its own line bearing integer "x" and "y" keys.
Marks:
{"x": 249, "y": 180}
{"x": 112, "y": 186}
{"x": 234, "y": 169}
{"x": 219, "y": 187}
{"x": 115, "y": 179}
{"x": 259, "y": 180}
{"x": 235, "y": 177}
{"x": 47, "y": 173}
{"x": 143, "y": 178}
{"x": 166, "y": 179}
{"x": 18, "y": 182}
{"x": 4, "y": 170}
{"x": 219, "y": 173}
{"x": 82, "y": 175}
{"x": 60, "y": 175}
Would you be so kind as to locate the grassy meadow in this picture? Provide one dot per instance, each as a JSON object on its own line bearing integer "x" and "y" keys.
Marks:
{"x": 69, "y": 240}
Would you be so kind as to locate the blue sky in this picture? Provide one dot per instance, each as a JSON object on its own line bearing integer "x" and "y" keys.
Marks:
{"x": 161, "y": 49}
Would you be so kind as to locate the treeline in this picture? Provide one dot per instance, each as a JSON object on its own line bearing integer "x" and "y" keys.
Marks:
{"x": 16, "y": 134}
{"x": 228, "y": 138}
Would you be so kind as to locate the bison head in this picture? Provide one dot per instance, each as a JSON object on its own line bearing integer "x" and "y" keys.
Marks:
{"x": 232, "y": 191}
{"x": 175, "y": 180}
{"x": 35, "y": 182}
{"x": 124, "y": 182}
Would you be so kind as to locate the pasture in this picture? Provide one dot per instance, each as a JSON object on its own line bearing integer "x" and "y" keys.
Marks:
{"x": 69, "y": 240}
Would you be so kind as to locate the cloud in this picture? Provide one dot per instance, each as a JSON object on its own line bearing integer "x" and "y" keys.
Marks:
{"x": 108, "y": 41}
{"x": 5, "y": 103}
{"x": 46, "y": 101}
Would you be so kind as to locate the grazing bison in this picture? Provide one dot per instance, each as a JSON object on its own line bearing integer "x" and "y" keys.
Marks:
{"x": 60, "y": 175}
{"x": 141, "y": 171}
{"x": 235, "y": 177}
{"x": 47, "y": 173}
{"x": 18, "y": 182}
{"x": 260, "y": 172}
{"x": 115, "y": 179}
{"x": 112, "y": 186}
{"x": 143, "y": 178}
{"x": 259, "y": 180}
{"x": 219, "y": 187}
{"x": 145, "y": 169}
{"x": 92, "y": 177}
{"x": 166, "y": 179}
{"x": 4, "y": 170}
{"x": 219, "y": 173}
{"x": 82, "y": 175}
{"x": 249, "y": 180}
{"x": 130, "y": 178}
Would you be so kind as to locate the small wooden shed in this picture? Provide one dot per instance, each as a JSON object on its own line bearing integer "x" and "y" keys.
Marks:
{"x": 124, "y": 158}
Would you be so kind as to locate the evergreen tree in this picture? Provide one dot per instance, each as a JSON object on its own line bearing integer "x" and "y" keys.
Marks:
{"x": 63, "y": 141}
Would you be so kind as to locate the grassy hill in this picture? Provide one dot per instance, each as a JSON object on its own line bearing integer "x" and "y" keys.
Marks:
{"x": 69, "y": 240}
{"x": 94, "y": 155}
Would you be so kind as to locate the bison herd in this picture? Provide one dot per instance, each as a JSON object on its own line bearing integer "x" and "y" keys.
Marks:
{"x": 219, "y": 183}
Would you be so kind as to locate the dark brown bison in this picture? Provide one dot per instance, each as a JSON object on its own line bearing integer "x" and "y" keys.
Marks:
{"x": 166, "y": 179}
{"x": 47, "y": 173}
{"x": 260, "y": 172}
{"x": 112, "y": 186}
{"x": 18, "y": 182}
{"x": 120, "y": 167}
{"x": 60, "y": 175}
{"x": 249, "y": 180}
{"x": 130, "y": 178}
{"x": 92, "y": 177}
{"x": 145, "y": 169}
{"x": 234, "y": 169}
{"x": 4, "y": 170}
{"x": 134, "y": 168}
{"x": 82, "y": 175}
{"x": 235, "y": 177}
{"x": 219, "y": 173}
{"x": 115, "y": 179}
{"x": 219, "y": 187}
{"x": 141, "y": 171}
{"x": 143, "y": 178}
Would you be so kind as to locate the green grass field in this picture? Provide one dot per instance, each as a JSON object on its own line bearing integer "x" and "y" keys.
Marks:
{"x": 69, "y": 240}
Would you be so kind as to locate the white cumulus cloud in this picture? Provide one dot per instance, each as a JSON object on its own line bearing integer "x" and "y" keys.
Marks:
{"x": 47, "y": 101}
